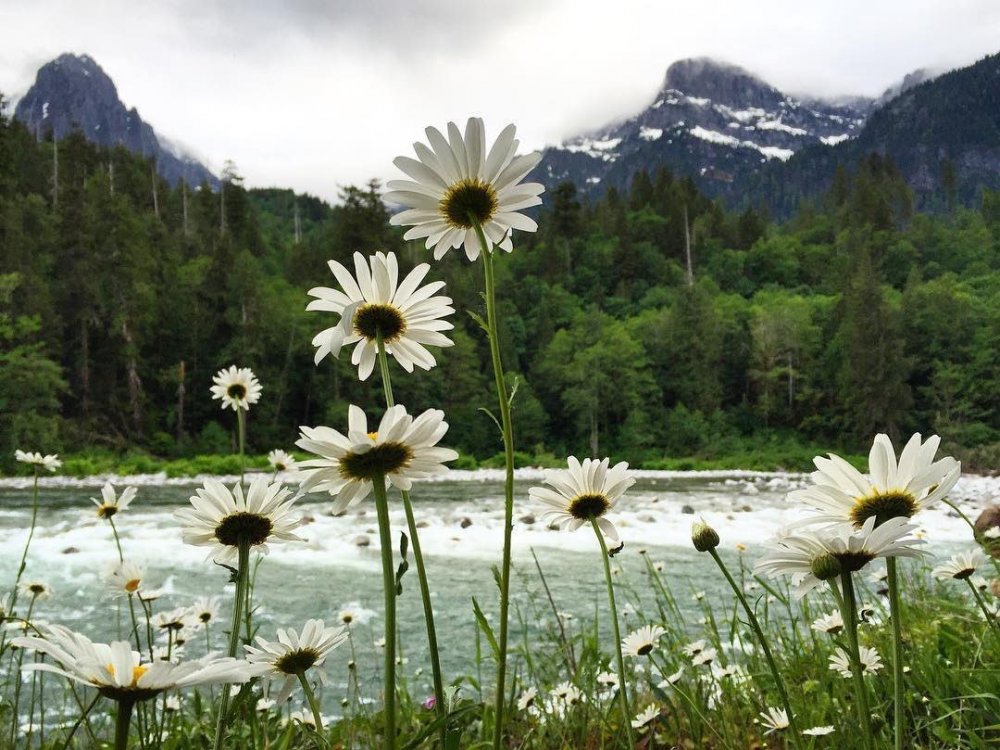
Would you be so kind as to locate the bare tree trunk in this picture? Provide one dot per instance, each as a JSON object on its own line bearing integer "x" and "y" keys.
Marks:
{"x": 134, "y": 382}
{"x": 55, "y": 172}
{"x": 180, "y": 403}
{"x": 593, "y": 433}
{"x": 222, "y": 207}
{"x": 687, "y": 248}
{"x": 84, "y": 368}
{"x": 298, "y": 225}
{"x": 111, "y": 178}
{"x": 791, "y": 381}
{"x": 184, "y": 204}
{"x": 283, "y": 382}
{"x": 156, "y": 197}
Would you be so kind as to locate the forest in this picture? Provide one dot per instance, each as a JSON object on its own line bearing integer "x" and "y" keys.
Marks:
{"x": 651, "y": 324}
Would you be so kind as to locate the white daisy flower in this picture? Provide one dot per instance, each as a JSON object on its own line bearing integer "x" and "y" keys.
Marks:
{"x": 832, "y": 623}
{"x": 608, "y": 680}
{"x": 960, "y": 566}
{"x": 774, "y": 719}
{"x": 811, "y": 556}
{"x": 401, "y": 449}
{"x": 645, "y": 717}
{"x": 301, "y": 717}
{"x": 110, "y": 503}
{"x": 168, "y": 653}
{"x": 992, "y": 533}
{"x": 583, "y": 492}
{"x": 178, "y": 623}
{"x": 841, "y": 493}
{"x": 527, "y": 699}
{"x": 119, "y": 673}
{"x": 733, "y": 672}
{"x": 696, "y": 647}
{"x": 372, "y": 302}
{"x": 238, "y": 388}
{"x": 124, "y": 578}
{"x": 172, "y": 703}
{"x": 206, "y": 608}
{"x": 222, "y": 519}
{"x": 266, "y": 704}
{"x": 566, "y": 694}
{"x": 281, "y": 461}
{"x": 36, "y": 589}
{"x": 818, "y": 731}
{"x": 704, "y": 657}
{"x": 49, "y": 462}
{"x": 456, "y": 184}
{"x": 640, "y": 642}
{"x": 671, "y": 679}
{"x": 292, "y": 654}
{"x": 870, "y": 661}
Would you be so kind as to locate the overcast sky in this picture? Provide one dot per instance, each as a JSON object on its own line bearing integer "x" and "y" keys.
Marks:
{"x": 312, "y": 94}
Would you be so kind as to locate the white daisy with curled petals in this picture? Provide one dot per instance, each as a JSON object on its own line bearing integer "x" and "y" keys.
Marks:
{"x": 892, "y": 489}
{"x": 111, "y": 503}
{"x": 820, "y": 731}
{"x": 292, "y": 654}
{"x": 238, "y": 388}
{"x": 222, "y": 519}
{"x": 645, "y": 717}
{"x": 960, "y": 566}
{"x": 813, "y": 556}
{"x": 402, "y": 449}
{"x": 374, "y": 303}
{"x": 832, "y": 623}
{"x": 582, "y": 493}
{"x": 870, "y": 661}
{"x": 642, "y": 641}
{"x": 48, "y": 462}
{"x": 456, "y": 185}
{"x": 527, "y": 699}
{"x": 775, "y": 719}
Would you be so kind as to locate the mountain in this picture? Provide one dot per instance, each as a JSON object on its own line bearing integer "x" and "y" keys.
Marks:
{"x": 73, "y": 92}
{"x": 713, "y": 121}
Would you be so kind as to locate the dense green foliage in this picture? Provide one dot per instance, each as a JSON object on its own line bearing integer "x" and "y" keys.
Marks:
{"x": 121, "y": 297}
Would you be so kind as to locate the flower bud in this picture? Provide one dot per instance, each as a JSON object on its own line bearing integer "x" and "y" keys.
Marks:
{"x": 826, "y": 567}
{"x": 704, "y": 537}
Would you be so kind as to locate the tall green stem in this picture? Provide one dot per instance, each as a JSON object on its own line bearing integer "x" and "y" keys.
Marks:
{"x": 622, "y": 692}
{"x": 990, "y": 618}
{"x": 313, "y": 703}
{"x": 897, "y": 651}
{"x": 241, "y": 430}
{"x": 849, "y": 613}
{"x": 122, "y": 721}
{"x": 508, "y": 445}
{"x": 418, "y": 558}
{"x": 762, "y": 640}
{"x": 27, "y": 544}
{"x": 242, "y": 577}
{"x": 389, "y": 586}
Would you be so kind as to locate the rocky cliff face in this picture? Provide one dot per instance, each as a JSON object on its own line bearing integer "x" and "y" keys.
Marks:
{"x": 72, "y": 92}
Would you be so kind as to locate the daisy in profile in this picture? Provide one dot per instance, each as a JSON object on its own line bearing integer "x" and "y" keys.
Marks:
{"x": 582, "y": 493}
{"x": 281, "y": 461}
{"x": 527, "y": 699}
{"x": 841, "y": 662}
{"x": 775, "y": 719}
{"x": 695, "y": 647}
{"x": 565, "y": 694}
{"x": 37, "y": 590}
{"x": 402, "y": 449}
{"x": 456, "y": 185}
{"x": 812, "y": 556}
{"x": 373, "y": 303}
{"x": 642, "y": 641}
{"x": 821, "y": 731}
{"x": 645, "y": 717}
{"x": 111, "y": 503}
{"x": 893, "y": 489}
{"x": 705, "y": 657}
{"x": 237, "y": 388}
{"x": 832, "y": 623}
{"x": 124, "y": 578}
{"x": 292, "y": 654}
{"x": 223, "y": 519}
{"x": 960, "y": 566}
{"x": 608, "y": 680}
{"x": 49, "y": 462}
{"x": 206, "y": 609}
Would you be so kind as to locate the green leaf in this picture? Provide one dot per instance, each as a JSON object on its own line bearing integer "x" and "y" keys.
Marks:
{"x": 404, "y": 566}
{"x": 487, "y": 630}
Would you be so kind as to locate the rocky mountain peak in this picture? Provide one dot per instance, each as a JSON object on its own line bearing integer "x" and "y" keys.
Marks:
{"x": 720, "y": 82}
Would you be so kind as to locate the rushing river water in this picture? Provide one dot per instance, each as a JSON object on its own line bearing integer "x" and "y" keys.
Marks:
{"x": 339, "y": 565}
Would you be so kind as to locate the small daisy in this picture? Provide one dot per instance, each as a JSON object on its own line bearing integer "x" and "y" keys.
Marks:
{"x": 407, "y": 316}
{"x": 292, "y": 654}
{"x": 813, "y": 556}
{"x": 175, "y": 620}
{"x": 456, "y": 185}
{"x": 870, "y": 661}
{"x": 222, "y": 519}
{"x": 402, "y": 449}
{"x": 832, "y": 623}
{"x": 301, "y": 717}
{"x": 173, "y": 703}
{"x": 527, "y": 699}
{"x": 696, "y": 647}
{"x": 206, "y": 608}
{"x": 266, "y": 704}
{"x": 640, "y": 642}
{"x": 110, "y": 503}
{"x": 841, "y": 493}
{"x": 671, "y": 679}
{"x": 238, "y": 388}
{"x": 775, "y": 719}
{"x": 566, "y": 694}
{"x": 281, "y": 461}
{"x": 124, "y": 578}
{"x": 992, "y": 533}
{"x": 608, "y": 680}
{"x": 818, "y": 731}
{"x": 49, "y": 462}
{"x": 960, "y": 566}
{"x": 583, "y": 492}
{"x": 704, "y": 657}
{"x": 347, "y": 616}
{"x": 645, "y": 717}
{"x": 36, "y": 589}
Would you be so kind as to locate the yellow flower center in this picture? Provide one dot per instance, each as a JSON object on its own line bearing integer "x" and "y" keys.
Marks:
{"x": 132, "y": 585}
{"x": 883, "y": 506}
{"x": 380, "y": 460}
{"x": 469, "y": 202}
